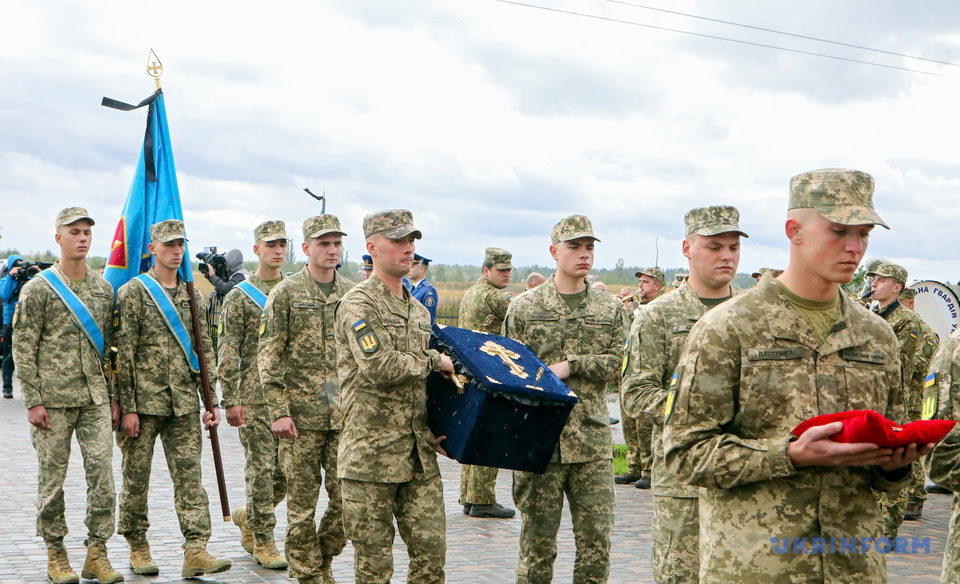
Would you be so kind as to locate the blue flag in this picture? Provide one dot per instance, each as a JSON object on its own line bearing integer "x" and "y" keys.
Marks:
{"x": 153, "y": 197}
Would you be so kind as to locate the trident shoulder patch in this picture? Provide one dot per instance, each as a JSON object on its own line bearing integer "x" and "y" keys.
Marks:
{"x": 671, "y": 398}
{"x": 931, "y": 397}
{"x": 263, "y": 322}
{"x": 366, "y": 338}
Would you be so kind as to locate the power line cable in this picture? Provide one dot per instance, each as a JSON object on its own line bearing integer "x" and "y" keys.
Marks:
{"x": 775, "y": 31}
{"x": 715, "y": 37}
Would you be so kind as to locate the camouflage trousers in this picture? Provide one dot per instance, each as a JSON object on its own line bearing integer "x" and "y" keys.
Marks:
{"x": 951, "y": 555}
{"x": 91, "y": 424}
{"x": 182, "y": 440}
{"x": 588, "y": 487}
{"x": 637, "y": 432}
{"x": 916, "y": 493}
{"x": 892, "y": 507}
{"x": 478, "y": 484}
{"x": 368, "y": 512}
{"x": 265, "y": 484}
{"x": 309, "y": 461}
{"x": 676, "y": 537}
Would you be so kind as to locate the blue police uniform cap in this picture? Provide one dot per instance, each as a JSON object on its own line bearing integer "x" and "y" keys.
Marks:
{"x": 419, "y": 259}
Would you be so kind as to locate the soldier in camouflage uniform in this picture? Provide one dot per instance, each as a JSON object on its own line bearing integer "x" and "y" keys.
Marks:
{"x": 926, "y": 347}
{"x": 483, "y": 308}
{"x": 638, "y": 426}
{"x": 65, "y": 392}
{"x": 653, "y": 349}
{"x": 159, "y": 391}
{"x": 388, "y": 463}
{"x": 756, "y": 366}
{"x": 297, "y": 359}
{"x": 941, "y": 400}
{"x": 889, "y": 280}
{"x": 245, "y": 402}
{"x": 580, "y": 332}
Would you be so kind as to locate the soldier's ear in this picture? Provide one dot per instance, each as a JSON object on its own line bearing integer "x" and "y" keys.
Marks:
{"x": 553, "y": 252}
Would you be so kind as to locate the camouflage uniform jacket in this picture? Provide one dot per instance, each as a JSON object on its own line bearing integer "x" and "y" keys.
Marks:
{"x": 650, "y": 359}
{"x": 239, "y": 334}
{"x": 941, "y": 401}
{"x": 297, "y": 356}
{"x": 591, "y": 339}
{"x": 57, "y": 365}
{"x": 483, "y": 307}
{"x": 155, "y": 376}
{"x": 906, "y": 325}
{"x": 926, "y": 347}
{"x": 383, "y": 362}
{"x": 752, "y": 370}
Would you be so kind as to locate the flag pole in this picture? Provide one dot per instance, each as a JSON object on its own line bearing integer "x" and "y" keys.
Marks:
{"x": 155, "y": 70}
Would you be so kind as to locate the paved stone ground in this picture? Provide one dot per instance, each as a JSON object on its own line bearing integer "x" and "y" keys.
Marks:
{"x": 479, "y": 550}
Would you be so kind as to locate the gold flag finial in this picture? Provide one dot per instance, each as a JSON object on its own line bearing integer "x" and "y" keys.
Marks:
{"x": 154, "y": 68}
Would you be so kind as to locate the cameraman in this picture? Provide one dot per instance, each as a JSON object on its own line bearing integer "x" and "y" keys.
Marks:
{"x": 235, "y": 273}
{"x": 10, "y": 287}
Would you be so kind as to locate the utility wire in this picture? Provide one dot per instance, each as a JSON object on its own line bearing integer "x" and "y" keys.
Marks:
{"x": 799, "y": 36}
{"x": 714, "y": 37}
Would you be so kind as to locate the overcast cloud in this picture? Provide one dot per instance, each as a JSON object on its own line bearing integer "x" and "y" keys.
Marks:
{"x": 489, "y": 121}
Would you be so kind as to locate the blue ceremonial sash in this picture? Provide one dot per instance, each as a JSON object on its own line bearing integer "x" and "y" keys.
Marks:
{"x": 253, "y": 293}
{"x": 170, "y": 317}
{"x": 78, "y": 310}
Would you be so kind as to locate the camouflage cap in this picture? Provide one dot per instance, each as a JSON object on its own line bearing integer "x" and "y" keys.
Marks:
{"x": 908, "y": 294}
{"x": 840, "y": 195}
{"x": 270, "y": 231}
{"x": 572, "y": 227}
{"x": 72, "y": 215}
{"x": 497, "y": 258}
{"x": 169, "y": 230}
{"x": 655, "y": 273}
{"x": 391, "y": 223}
{"x": 320, "y": 225}
{"x": 890, "y": 270}
{"x": 713, "y": 220}
{"x": 367, "y": 262}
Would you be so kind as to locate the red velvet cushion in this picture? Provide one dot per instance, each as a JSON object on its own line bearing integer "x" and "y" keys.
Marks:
{"x": 869, "y": 426}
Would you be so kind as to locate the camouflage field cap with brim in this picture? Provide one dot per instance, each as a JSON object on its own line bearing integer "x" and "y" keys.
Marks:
{"x": 841, "y": 195}
{"x": 320, "y": 225}
{"x": 270, "y": 231}
{"x": 72, "y": 215}
{"x": 890, "y": 270}
{"x": 367, "y": 262}
{"x": 713, "y": 220}
{"x": 169, "y": 230}
{"x": 498, "y": 258}
{"x": 655, "y": 273}
{"x": 391, "y": 223}
{"x": 572, "y": 227}
{"x": 908, "y": 294}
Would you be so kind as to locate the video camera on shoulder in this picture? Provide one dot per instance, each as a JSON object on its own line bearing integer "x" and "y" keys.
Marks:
{"x": 28, "y": 270}
{"x": 209, "y": 256}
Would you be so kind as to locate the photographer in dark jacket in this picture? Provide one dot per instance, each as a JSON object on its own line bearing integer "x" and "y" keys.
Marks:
{"x": 10, "y": 287}
{"x": 235, "y": 274}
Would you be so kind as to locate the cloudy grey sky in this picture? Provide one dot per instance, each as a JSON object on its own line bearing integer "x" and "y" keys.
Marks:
{"x": 489, "y": 121}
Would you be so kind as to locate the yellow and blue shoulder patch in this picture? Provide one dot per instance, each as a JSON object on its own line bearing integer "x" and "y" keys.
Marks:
{"x": 931, "y": 397}
{"x": 671, "y": 397}
{"x": 366, "y": 338}
{"x": 626, "y": 357}
{"x": 913, "y": 335}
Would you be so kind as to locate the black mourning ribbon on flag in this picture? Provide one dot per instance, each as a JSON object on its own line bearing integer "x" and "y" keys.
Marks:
{"x": 149, "y": 164}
